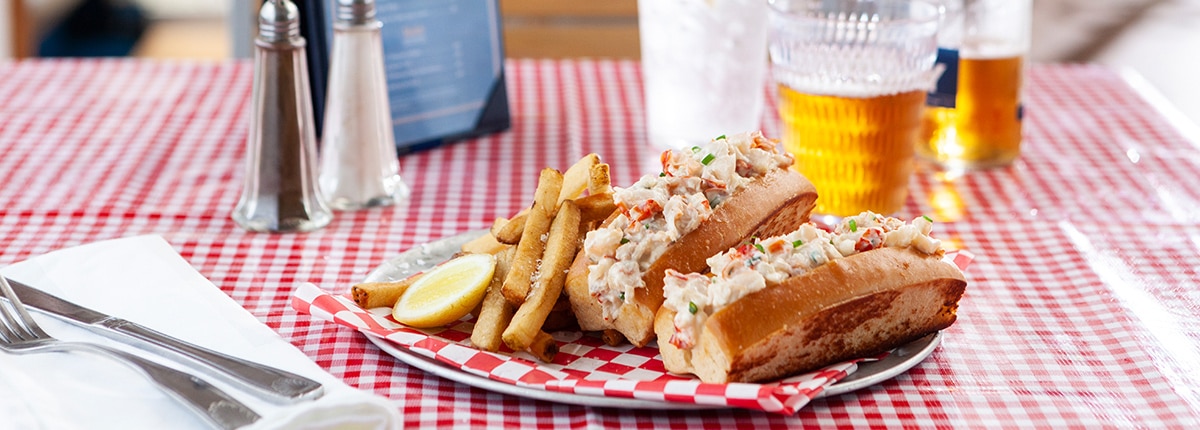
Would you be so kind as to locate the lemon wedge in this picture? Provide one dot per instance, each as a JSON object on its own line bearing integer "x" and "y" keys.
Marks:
{"x": 445, "y": 293}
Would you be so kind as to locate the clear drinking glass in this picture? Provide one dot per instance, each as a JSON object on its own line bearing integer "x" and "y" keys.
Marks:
{"x": 852, "y": 77}
{"x": 704, "y": 65}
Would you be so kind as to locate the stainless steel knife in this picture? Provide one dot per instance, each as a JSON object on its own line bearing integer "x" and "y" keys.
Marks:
{"x": 269, "y": 383}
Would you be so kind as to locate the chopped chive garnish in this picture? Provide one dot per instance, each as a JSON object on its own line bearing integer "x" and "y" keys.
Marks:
{"x": 695, "y": 149}
{"x": 720, "y": 137}
{"x": 692, "y": 308}
{"x": 624, "y": 240}
{"x": 661, "y": 174}
{"x": 797, "y": 243}
{"x": 708, "y": 159}
{"x": 927, "y": 218}
{"x": 622, "y": 296}
{"x": 760, "y": 248}
{"x": 853, "y": 225}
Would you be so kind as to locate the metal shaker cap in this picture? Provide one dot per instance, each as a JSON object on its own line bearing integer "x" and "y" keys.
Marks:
{"x": 278, "y": 21}
{"x": 355, "y": 12}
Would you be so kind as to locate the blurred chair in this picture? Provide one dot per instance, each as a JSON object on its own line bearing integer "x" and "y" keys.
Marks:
{"x": 570, "y": 28}
{"x": 532, "y": 28}
{"x": 16, "y": 33}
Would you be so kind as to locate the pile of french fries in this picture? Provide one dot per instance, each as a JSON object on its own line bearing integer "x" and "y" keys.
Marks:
{"x": 533, "y": 251}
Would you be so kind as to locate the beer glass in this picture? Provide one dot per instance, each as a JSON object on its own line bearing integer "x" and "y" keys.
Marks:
{"x": 973, "y": 119}
{"x": 704, "y": 64}
{"x": 852, "y": 77}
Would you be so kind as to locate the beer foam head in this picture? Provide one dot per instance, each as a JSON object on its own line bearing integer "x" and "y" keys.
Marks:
{"x": 854, "y": 49}
{"x": 860, "y": 78}
{"x": 981, "y": 48}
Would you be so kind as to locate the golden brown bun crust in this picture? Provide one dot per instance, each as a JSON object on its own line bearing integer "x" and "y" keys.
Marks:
{"x": 775, "y": 204}
{"x": 586, "y": 308}
{"x": 853, "y": 307}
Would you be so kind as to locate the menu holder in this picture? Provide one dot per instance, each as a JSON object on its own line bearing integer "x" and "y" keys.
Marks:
{"x": 444, "y": 63}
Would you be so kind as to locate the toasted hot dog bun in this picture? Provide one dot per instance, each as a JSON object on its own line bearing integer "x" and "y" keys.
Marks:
{"x": 858, "y": 306}
{"x": 773, "y": 204}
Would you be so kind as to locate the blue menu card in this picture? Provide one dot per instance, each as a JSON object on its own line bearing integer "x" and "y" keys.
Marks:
{"x": 444, "y": 62}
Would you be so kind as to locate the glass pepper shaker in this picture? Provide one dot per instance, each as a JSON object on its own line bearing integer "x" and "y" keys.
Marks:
{"x": 280, "y": 192}
{"x": 359, "y": 164}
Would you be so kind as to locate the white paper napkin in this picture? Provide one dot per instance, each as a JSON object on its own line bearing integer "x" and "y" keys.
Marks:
{"x": 142, "y": 279}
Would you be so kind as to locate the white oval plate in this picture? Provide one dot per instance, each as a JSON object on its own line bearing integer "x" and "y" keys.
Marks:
{"x": 424, "y": 256}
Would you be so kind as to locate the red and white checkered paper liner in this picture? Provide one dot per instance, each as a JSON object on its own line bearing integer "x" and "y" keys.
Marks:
{"x": 584, "y": 364}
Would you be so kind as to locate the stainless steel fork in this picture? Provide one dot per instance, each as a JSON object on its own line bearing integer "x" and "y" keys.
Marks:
{"x": 20, "y": 334}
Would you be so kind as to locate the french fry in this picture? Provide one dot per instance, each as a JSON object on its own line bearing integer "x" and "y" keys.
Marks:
{"x": 560, "y": 251}
{"x": 378, "y": 294}
{"x": 511, "y": 230}
{"x": 533, "y": 250}
{"x": 543, "y": 347}
{"x": 485, "y": 244}
{"x": 495, "y": 311}
{"x": 612, "y": 337}
{"x": 599, "y": 180}
{"x": 595, "y": 207}
{"x": 532, "y": 244}
{"x": 577, "y": 177}
{"x": 498, "y": 223}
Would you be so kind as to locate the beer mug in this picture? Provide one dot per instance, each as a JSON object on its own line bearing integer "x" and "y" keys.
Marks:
{"x": 973, "y": 119}
{"x": 852, "y": 77}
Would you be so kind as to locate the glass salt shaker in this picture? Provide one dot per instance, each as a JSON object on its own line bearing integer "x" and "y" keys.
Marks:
{"x": 280, "y": 192}
{"x": 359, "y": 164}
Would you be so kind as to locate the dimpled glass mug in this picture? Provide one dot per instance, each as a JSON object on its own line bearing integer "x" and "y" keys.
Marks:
{"x": 852, "y": 77}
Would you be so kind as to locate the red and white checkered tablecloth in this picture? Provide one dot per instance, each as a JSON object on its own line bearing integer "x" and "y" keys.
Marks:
{"x": 1082, "y": 309}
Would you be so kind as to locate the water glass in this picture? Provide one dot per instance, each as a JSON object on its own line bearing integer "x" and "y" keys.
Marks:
{"x": 704, "y": 66}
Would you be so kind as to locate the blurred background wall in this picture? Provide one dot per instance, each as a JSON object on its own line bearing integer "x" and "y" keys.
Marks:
{"x": 1156, "y": 38}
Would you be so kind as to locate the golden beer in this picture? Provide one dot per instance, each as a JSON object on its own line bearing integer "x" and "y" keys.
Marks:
{"x": 984, "y": 127}
{"x": 856, "y": 151}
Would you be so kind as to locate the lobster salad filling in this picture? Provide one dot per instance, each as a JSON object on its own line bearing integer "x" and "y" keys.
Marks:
{"x": 660, "y": 208}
